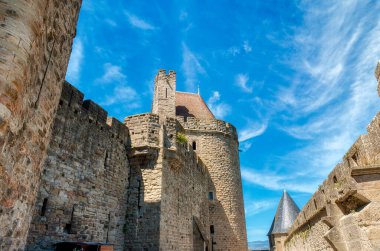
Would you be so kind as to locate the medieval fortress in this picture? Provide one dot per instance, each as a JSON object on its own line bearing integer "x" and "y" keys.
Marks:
{"x": 165, "y": 180}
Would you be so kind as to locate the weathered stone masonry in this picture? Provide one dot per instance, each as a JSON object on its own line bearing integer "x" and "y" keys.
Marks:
{"x": 36, "y": 39}
{"x": 137, "y": 189}
{"x": 217, "y": 145}
{"x": 135, "y": 185}
{"x": 83, "y": 193}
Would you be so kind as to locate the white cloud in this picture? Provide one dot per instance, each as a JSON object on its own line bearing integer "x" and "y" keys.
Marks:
{"x": 191, "y": 68}
{"x": 218, "y": 108}
{"x": 252, "y": 129}
{"x": 139, "y": 23}
{"x": 76, "y": 58}
{"x": 236, "y": 50}
{"x": 333, "y": 97}
{"x": 259, "y": 206}
{"x": 245, "y": 146}
{"x": 110, "y": 22}
{"x": 123, "y": 95}
{"x": 292, "y": 182}
{"x": 112, "y": 73}
{"x": 246, "y": 47}
{"x": 241, "y": 80}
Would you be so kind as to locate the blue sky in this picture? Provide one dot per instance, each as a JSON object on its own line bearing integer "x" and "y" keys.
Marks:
{"x": 295, "y": 78}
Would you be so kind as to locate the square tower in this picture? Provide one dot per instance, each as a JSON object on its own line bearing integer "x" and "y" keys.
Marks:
{"x": 164, "y": 94}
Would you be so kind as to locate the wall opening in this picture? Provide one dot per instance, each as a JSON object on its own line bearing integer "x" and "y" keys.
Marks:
{"x": 355, "y": 158}
{"x": 139, "y": 198}
{"x": 44, "y": 205}
{"x": 166, "y": 93}
{"x": 211, "y": 195}
{"x": 212, "y": 229}
{"x": 105, "y": 160}
{"x": 69, "y": 226}
{"x": 194, "y": 145}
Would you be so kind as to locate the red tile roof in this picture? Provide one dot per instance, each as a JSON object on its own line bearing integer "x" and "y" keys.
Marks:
{"x": 191, "y": 105}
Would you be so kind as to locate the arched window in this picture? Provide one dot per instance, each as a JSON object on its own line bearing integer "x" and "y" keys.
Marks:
{"x": 194, "y": 145}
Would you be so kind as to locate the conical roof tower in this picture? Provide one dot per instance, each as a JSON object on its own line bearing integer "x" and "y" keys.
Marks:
{"x": 286, "y": 213}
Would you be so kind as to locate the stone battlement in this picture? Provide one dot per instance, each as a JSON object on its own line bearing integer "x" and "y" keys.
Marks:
{"x": 208, "y": 125}
{"x": 144, "y": 130}
{"x": 73, "y": 99}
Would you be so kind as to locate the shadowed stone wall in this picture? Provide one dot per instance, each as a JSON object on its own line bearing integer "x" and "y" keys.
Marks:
{"x": 36, "y": 39}
{"x": 83, "y": 193}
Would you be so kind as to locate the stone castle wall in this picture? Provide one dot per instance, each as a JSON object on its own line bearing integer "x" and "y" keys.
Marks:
{"x": 83, "y": 193}
{"x": 167, "y": 202}
{"x": 185, "y": 205}
{"x": 144, "y": 191}
{"x": 217, "y": 145}
{"x": 36, "y": 39}
{"x": 344, "y": 213}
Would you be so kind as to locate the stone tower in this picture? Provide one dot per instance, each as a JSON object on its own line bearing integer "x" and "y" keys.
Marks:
{"x": 286, "y": 214}
{"x": 36, "y": 39}
{"x": 216, "y": 143}
{"x": 164, "y": 94}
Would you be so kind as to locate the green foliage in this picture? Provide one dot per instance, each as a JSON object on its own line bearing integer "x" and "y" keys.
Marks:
{"x": 181, "y": 138}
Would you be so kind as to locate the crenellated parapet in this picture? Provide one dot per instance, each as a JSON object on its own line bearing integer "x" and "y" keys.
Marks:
{"x": 72, "y": 100}
{"x": 208, "y": 125}
{"x": 144, "y": 130}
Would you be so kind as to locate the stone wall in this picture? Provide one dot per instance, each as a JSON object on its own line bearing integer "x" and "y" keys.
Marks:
{"x": 144, "y": 192}
{"x": 217, "y": 145}
{"x": 83, "y": 193}
{"x": 344, "y": 213}
{"x": 36, "y": 39}
{"x": 167, "y": 202}
{"x": 185, "y": 205}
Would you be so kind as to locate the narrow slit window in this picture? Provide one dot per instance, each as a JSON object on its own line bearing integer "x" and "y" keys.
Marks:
{"x": 44, "y": 205}
{"x": 166, "y": 93}
{"x": 212, "y": 230}
{"x": 194, "y": 145}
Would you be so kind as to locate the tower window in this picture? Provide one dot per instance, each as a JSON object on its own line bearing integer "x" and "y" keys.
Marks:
{"x": 211, "y": 195}
{"x": 212, "y": 230}
{"x": 44, "y": 205}
{"x": 194, "y": 145}
{"x": 166, "y": 93}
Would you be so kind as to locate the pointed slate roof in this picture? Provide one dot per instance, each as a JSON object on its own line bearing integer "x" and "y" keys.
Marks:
{"x": 286, "y": 214}
{"x": 192, "y": 105}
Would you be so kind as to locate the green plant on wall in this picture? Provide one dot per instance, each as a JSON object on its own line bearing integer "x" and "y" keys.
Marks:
{"x": 181, "y": 138}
